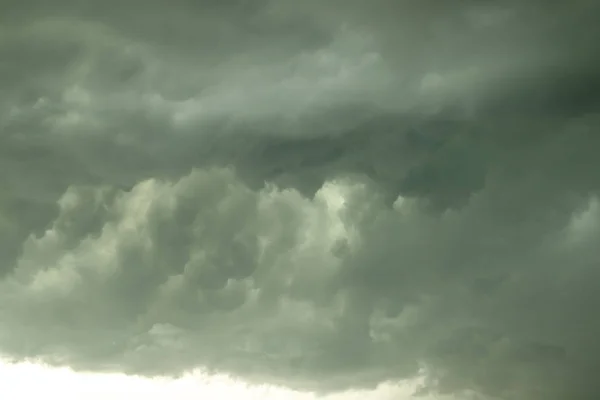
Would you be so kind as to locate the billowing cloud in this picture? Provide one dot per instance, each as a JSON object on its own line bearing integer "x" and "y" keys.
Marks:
{"x": 321, "y": 195}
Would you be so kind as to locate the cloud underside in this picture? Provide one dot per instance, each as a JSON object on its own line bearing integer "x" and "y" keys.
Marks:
{"x": 318, "y": 195}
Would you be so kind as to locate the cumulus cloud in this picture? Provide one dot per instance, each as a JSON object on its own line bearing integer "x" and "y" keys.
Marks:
{"x": 321, "y": 195}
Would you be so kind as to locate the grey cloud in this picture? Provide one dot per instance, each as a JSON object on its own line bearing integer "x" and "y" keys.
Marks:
{"x": 169, "y": 183}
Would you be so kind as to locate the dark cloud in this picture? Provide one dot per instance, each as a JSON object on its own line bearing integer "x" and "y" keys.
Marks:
{"x": 319, "y": 194}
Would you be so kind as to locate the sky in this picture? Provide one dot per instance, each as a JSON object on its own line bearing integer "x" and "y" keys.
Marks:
{"x": 334, "y": 198}
{"x": 29, "y": 380}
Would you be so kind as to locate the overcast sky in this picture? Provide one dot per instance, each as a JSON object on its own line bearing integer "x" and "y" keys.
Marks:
{"x": 324, "y": 196}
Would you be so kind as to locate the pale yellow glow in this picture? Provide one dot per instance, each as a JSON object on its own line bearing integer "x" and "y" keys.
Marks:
{"x": 25, "y": 381}
{"x": 29, "y": 381}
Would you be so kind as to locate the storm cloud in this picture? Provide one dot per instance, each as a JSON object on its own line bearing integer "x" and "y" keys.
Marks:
{"x": 321, "y": 194}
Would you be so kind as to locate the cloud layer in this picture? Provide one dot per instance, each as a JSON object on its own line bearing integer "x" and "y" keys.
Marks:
{"x": 321, "y": 195}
